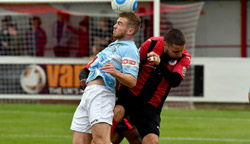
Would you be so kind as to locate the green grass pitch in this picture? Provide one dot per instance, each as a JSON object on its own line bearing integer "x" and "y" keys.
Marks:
{"x": 49, "y": 124}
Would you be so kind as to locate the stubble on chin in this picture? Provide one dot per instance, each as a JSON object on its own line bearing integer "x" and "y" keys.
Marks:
{"x": 117, "y": 36}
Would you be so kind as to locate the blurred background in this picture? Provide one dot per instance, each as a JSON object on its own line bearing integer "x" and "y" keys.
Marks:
{"x": 44, "y": 45}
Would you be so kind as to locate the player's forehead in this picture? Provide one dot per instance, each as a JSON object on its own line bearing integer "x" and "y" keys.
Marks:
{"x": 175, "y": 47}
{"x": 122, "y": 20}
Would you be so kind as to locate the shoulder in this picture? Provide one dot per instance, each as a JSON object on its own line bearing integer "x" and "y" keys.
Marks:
{"x": 123, "y": 46}
{"x": 186, "y": 58}
{"x": 160, "y": 39}
{"x": 128, "y": 48}
{"x": 127, "y": 44}
{"x": 187, "y": 55}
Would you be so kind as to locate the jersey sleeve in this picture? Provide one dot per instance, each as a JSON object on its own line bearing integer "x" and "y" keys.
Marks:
{"x": 182, "y": 66}
{"x": 130, "y": 60}
{"x": 88, "y": 65}
{"x": 144, "y": 49}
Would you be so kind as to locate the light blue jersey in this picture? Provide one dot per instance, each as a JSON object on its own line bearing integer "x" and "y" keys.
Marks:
{"x": 125, "y": 57}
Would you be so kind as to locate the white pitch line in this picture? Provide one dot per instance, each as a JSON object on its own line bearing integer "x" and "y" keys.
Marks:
{"x": 35, "y": 112}
{"x": 38, "y": 136}
{"x": 205, "y": 139}
{"x": 207, "y": 118}
{"x": 162, "y": 138}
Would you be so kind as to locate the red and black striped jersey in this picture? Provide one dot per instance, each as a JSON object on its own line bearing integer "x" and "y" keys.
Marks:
{"x": 152, "y": 85}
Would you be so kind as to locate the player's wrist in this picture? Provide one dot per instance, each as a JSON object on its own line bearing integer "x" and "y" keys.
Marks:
{"x": 158, "y": 61}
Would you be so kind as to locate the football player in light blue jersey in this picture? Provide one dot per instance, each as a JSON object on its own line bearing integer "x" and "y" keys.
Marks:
{"x": 119, "y": 61}
{"x": 123, "y": 55}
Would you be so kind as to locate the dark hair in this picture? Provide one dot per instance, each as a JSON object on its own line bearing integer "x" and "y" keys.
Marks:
{"x": 83, "y": 22}
{"x": 133, "y": 20}
{"x": 32, "y": 19}
{"x": 7, "y": 19}
{"x": 37, "y": 18}
{"x": 174, "y": 36}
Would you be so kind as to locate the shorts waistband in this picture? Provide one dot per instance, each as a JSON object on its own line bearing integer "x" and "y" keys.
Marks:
{"x": 91, "y": 87}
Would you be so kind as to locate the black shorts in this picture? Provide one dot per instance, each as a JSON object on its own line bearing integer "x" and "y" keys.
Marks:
{"x": 125, "y": 124}
{"x": 124, "y": 98}
{"x": 143, "y": 116}
{"x": 146, "y": 120}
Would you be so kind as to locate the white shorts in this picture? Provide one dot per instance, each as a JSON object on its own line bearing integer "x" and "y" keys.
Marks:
{"x": 97, "y": 105}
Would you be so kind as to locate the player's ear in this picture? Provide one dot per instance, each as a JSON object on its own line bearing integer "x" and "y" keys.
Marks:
{"x": 165, "y": 45}
{"x": 131, "y": 31}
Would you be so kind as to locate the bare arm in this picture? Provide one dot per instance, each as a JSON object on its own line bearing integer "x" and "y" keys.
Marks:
{"x": 126, "y": 79}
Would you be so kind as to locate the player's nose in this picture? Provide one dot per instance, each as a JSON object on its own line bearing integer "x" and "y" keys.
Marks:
{"x": 115, "y": 26}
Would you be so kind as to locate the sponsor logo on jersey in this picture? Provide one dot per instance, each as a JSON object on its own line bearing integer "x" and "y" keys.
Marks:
{"x": 172, "y": 62}
{"x": 184, "y": 70}
{"x": 128, "y": 61}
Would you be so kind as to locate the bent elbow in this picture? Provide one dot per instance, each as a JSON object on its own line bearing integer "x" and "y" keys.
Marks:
{"x": 175, "y": 85}
{"x": 133, "y": 83}
{"x": 174, "y": 81}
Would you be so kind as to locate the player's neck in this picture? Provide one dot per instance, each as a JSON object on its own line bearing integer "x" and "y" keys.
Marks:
{"x": 126, "y": 38}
